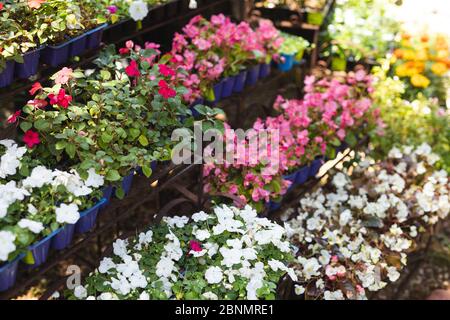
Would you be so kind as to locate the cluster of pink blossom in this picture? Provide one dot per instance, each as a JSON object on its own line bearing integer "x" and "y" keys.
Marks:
{"x": 210, "y": 49}
{"x": 332, "y": 110}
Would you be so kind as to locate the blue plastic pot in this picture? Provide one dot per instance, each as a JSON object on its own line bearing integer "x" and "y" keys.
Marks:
{"x": 108, "y": 192}
{"x": 56, "y": 55}
{"x": 217, "y": 88}
{"x": 127, "y": 182}
{"x": 38, "y": 252}
{"x": 302, "y": 175}
{"x": 8, "y": 274}
{"x": 239, "y": 81}
{"x": 315, "y": 166}
{"x": 287, "y": 64}
{"x": 264, "y": 70}
{"x": 197, "y": 102}
{"x": 94, "y": 37}
{"x": 7, "y": 75}
{"x": 64, "y": 237}
{"x": 272, "y": 205}
{"x": 30, "y": 64}
{"x": 292, "y": 178}
{"x": 253, "y": 75}
{"x": 228, "y": 86}
{"x": 89, "y": 217}
{"x": 78, "y": 45}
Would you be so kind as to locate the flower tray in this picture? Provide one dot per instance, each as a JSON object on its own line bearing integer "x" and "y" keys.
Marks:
{"x": 94, "y": 36}
{"x": 264, "y": 70}
{"x": 302, "y": 175}
{"x": 88, "y": 218}
{"x": 7, "y": 75}
{"x": 315, "y": 166}
{"x": 127, "y": 182}
{"x": 8, "y": 273}
{"x": 64, "y": 237}
{"x": 30, "y": 64}
{"x": 239, "y": 81}
{"x": 253, "y": 75}
{"x": 38, "y": 253}
{"x": 228, "y": 86}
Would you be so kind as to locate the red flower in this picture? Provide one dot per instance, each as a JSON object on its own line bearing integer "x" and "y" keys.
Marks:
{"x": 166, "y": 71}
{"x": 38, "y": 103}
{"x": 31, "y": 138}
{"x": 195, "y": 246}
{"x": 132, "y": 70}
{"x": 165, "y": 91}
{"x": 13, "y": 118}
{"x": 1, "y": 5}
{"x": 124, "y": 51}
{"x": 35, "y": 88}
{"x": 62, "y": 99}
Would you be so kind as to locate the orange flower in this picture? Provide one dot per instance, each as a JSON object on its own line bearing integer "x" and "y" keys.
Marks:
{"x": 420, "y": 81}
{"x": 398, "y": 53}
{"x": 439, "y": 68}
{"x": 424, "y": 38}
{"x": 35, "y": 4}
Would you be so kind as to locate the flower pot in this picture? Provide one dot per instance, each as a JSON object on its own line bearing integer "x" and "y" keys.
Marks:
{"x": 38, "y": 253}
{"x": 239, "y": 81}
{"x": 56, "y": 55}
{"x": 315, "y": 18}
{"x": 287, "y": 64}
{"x": 94, "y": 37}
{"x": 7, "y": 75}
{"x": 315, "y": 166}
{"x": 292, "y": 178}
{"x": 302, "y": 175}
{"x": 264, "y": 70}
{"x": 8, "y": 273}
{"x": 171, "y": 8}
{"x": 217, "y": 91}
{"x": 228, "y": 86}
{"x": 127, "y": 182}
{"x": 198, "y": 101}
{"x": 108, "y": 192}
{"x": 64, "y": 238}
{"x": 272, "y": 205}
{"x": 299, "y": 57}
{"x": 78, "y": 45}
{"x": 253, "y": 75}
{"x": 30, "y": 64}
{"x": 89, "y": 217}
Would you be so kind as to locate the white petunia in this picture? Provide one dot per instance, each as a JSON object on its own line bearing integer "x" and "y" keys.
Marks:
{"x": 67, "y": 213}
{"x": 80, "y": 292}
{"x": 34, "y": 226}
{"x": 213, "y": 275}
{"x": 202, "y": 235}
{"x": 94, "y": 180}
{"x": 200, "y": 216}
{"x": 7, "y": 245}
{"x": 138, "y": 10}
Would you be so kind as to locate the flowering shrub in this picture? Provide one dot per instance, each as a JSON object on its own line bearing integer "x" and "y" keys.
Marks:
{"x": 229, "y": 254}
{"x": 422, "y": 63}
{"x": 354, "y": 235}
{"x": 35, "y": 201}
{"x": 208, "y": 50}
{"x": 409, "y": 122}
{"x": 332, "y": 111}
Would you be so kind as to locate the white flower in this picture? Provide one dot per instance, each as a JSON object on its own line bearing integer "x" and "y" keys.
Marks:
{"x": 33, "y": 226}
{"x": 333, "y": 295}
{"x": 105, "y": 265}
{"x": 7, "y": 245}
{"x": 213, "y": 275}
{"x": 80, "y": 292}
{"x": 67, "y": 213}
{"x": 210, "y": 296}
{"x": 299, "y": 290}
{"x": 200, "y": 216}
{"x": 164, "y": 267}
{"x": 202, "y": 235}
{"x": 94, "y": 180}
{"x": 193, "y": 5}
{"x": 345, "y": 217}
{"x": 340, "y": 180}
{"x": 178, "y": 222}
{"x": 393, "y": 274}
{"x": 32, "y": 209}
{"x": 39, "y": 176}
{"x": 144, "y": 296}
{"x": 72, "y": 181}
{"x": 138, "y": 10}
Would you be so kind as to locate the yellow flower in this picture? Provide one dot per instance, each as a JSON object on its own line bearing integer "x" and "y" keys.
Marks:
{"x": 409, "y": 55}
{"x": 420, "y": 81}
{"x": 439, "y": 68}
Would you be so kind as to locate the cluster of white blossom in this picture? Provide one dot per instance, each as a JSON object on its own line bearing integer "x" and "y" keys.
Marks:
{"x": 229, "y": 254}
{"x": 354, "y": 234}
{"x": 21, "y": 195}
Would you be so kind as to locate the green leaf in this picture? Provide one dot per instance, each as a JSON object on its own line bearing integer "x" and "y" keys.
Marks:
{"x": 143, "y": 140}
{"x": 147, "y": 171}
{"x": 25, "y": 126}
{"x": 106, "y": 138}
{"x": 70, "y": 150}
{"x": 113, "y": 175}
{"x": 60, "y": 145}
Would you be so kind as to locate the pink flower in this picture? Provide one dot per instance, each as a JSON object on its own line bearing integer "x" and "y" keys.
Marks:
{"x": 63, "y": 76}
{"x": 14, "y": 117}
{"x": 62, "y": 99}
{"x": 165, "y": 91}
{"x": 31, "y": 138}
{"x": 132, "y": 70}
{"x": 35, "y": 88}
{"x": 112, "y": 9}
{"x": 166, "y": 71}
{"x": 195, "y": 246}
